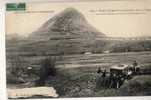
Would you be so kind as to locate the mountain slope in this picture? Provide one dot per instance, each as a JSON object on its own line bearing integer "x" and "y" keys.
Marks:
{"x": 68, "y": 23}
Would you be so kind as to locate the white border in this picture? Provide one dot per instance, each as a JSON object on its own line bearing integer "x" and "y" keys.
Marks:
{"x": 2, "y": 53}
{"x": 3, "y": 95}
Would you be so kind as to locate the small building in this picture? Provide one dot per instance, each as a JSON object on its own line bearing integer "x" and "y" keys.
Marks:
{"x": 107, "y": 51}
{"x": 87, "y": 53}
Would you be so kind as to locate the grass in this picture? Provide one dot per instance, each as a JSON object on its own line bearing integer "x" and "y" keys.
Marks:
{"x": 82, "y": 81}
{"x": 137, "y": 86}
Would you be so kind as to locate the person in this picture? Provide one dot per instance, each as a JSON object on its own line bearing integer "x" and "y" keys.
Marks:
{"x": 113, "y": 85}
{"x": 135, "y": 64}
{"x": 110, "y": 80}
{"x": 104, "y": 78}
{"x": 138, "y": 70}
{"x": 99, "y": 70}
{"x": 104, "y": 73}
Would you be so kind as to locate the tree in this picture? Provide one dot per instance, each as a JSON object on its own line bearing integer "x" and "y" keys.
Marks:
{"x": 47, "y": 69}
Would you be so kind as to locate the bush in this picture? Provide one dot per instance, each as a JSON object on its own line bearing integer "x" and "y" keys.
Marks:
{"x": 138, "y": 86}
{"x": 15, "y": 69}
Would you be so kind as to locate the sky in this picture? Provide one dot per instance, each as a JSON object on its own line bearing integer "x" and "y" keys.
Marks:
{"x": 129, "y": 19}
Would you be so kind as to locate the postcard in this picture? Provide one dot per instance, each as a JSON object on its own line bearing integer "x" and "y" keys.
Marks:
{"x": 78, "y": 49}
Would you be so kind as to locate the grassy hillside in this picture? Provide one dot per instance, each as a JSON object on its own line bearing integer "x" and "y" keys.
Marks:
{"x": 66, "y": 46}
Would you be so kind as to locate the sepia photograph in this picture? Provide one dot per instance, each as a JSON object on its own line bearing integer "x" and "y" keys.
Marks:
{"x": 78, "y": 49}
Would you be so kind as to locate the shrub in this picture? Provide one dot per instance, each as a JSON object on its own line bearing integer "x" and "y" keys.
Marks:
{"x": 15, "y": 69}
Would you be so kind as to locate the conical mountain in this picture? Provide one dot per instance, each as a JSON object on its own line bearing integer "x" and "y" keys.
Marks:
{"x": 66, "y": 33}
{"x": 69, "y": 22}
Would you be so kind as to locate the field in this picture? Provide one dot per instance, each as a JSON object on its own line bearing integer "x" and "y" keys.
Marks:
{"x": 77, "y": 74}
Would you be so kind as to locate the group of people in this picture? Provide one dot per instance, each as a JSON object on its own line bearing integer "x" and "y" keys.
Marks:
{"x": 110, "y": 80}
{"x": 115, "y": 80}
